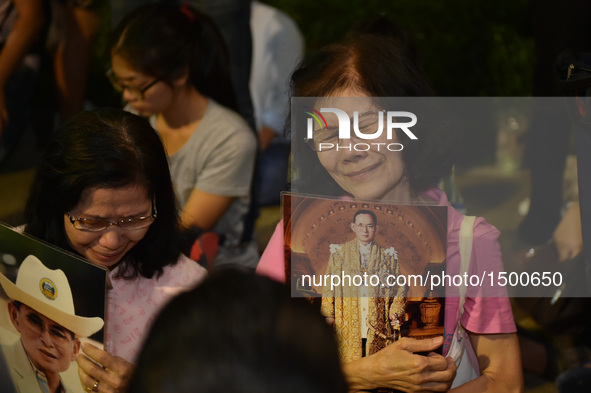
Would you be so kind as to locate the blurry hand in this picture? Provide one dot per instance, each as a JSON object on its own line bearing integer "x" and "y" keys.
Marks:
{"x": 101, "y": 372}
{"x": 266, "y": 136}
{"x": 568, "y": 236}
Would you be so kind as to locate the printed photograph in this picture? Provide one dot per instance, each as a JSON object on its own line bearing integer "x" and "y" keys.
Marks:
{"x": 367, "y": 265}
{"x": 50, "y": 303}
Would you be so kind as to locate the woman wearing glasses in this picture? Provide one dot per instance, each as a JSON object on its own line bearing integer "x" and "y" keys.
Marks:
{"x": 103, "y": 191}
{"x": 171, "y": 67}
{"x": 371, "y": 67}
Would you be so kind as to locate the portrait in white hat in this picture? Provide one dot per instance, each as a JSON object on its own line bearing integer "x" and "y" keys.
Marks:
{"x": 41, "y": 308}
{"x": 48, "y": 292}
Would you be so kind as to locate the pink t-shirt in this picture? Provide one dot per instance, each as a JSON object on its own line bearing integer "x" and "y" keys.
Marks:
{"x": 482, "y": 315}
{"x": 132, "y": 305}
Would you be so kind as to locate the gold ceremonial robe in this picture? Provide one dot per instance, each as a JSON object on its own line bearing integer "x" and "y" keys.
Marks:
{"x": 343, "y": 302}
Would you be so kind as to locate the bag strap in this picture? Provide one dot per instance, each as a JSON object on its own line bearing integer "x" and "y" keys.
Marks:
{"x": 465, "y": 372}
{"x": 466, "y": 237}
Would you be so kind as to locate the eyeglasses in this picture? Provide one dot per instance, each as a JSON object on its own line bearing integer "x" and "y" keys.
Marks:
{"x": 366, "y": 124}
{"x": 100, "y": 224}
{"x": 137, "y": 92}
{"x": 59, "y": 335}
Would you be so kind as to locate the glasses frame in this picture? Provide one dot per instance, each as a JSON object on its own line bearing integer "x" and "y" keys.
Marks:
{"x": 137, "y": 92}
{"x": 109, "y": 223}
{"x": 310, "y": 142}
{"x": 61, "y": 336}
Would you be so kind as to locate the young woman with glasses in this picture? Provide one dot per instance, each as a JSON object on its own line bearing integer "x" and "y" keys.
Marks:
{"x": 103, "y": 191}
{"x": 171, "y": 66}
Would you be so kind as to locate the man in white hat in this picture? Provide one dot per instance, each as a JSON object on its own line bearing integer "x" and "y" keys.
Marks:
{"x": 42, "y": 311}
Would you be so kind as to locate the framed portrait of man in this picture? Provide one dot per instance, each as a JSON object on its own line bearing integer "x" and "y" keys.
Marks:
{"x": 367, "y": 265}
{"x": 51, "y": 302}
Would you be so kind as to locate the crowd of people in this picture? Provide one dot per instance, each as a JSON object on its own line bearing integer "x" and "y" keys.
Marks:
{"x": 163, "y": 193}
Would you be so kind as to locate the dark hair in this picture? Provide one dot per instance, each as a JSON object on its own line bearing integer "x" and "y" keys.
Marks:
{"x": 107, "y": 148}
{"x": 239, "y": 332}
{"x": 376, "y": 66}
{"x": 383, "y": 25}
{"x": 368, "y": 212}
{"x": 163, "y": 41}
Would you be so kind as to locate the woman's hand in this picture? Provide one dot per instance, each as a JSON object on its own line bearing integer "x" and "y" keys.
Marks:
{"x": 110, "y": 375}
{"x": 568, "y": 236}
{"x": 398, "y": 366}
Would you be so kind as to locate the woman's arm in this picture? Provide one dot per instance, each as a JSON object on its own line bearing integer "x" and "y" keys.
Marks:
{"x": 203, "y": 209}
{"x": 223, "y": 173}
{"x": 398, "y": 366}
{"x": 500, "y": 364}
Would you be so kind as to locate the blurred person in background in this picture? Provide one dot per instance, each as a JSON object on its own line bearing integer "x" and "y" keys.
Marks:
{"x": 21, "y": 22}
{"x": 278, "y": 46}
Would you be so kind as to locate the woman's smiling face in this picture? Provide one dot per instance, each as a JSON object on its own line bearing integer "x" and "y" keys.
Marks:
{"x": 375, "y": 174}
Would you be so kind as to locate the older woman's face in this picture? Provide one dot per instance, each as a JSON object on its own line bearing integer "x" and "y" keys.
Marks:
{"x": 375, "y": 174}
{"x": 109, "y": 246}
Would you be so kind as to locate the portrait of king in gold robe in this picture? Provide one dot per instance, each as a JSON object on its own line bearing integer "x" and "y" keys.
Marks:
{"x": 366, "y": 317}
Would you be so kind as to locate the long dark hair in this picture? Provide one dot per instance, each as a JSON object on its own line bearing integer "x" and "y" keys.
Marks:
{"x": 377, "y": 66}
{"x": 107, "y": 148}
{"x": 164, "y": 40}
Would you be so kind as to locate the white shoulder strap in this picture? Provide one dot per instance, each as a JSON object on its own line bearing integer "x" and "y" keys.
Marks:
{"x": 458, "y": 347}
{"x": 466, "y": 236}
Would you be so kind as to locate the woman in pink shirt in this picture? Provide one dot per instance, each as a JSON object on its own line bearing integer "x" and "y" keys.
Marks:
{"x": 370, "y": 66}
{"x": 103, "y": 191}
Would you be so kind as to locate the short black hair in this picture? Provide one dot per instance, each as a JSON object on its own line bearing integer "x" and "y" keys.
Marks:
{"x": 239, "y": 332}
{"x": 368, "y": 212}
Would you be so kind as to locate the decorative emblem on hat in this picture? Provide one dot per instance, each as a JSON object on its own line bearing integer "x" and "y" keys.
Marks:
{"x": 36, "y": 286}
{"x": 48, "y": 288}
